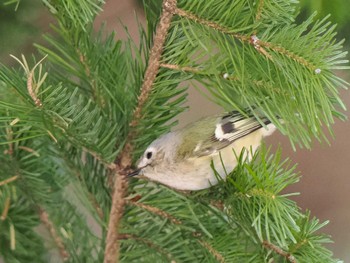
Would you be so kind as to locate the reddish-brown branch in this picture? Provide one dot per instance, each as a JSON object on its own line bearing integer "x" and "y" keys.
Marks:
{"x": 279, "y": 251}
{"x": 149, "y": 244}
{"x": 179, "y": 68}
{"x": 117, "y": 210}
{"x": 157, "y": 211}
{"x": 6, "y": 209}
{"x": 169, "y": 7}
{"x": 94, "y": 202}
{"x": 31, "y": 90}
{"x": 30, "y": 150}
{"x": 258, "y": 44}
{"x": 259, "y": 10}
{"x": 212, "y": 251}
{"x": 210, "y": 24}
{"x": 109, "y": 165}
{"x": 44, "y": 217}
{"x": 9, "y": 180}
{"x": 299, "y": 245}
{"x": 124, "y": 160}
{"x": 9, "y": 134}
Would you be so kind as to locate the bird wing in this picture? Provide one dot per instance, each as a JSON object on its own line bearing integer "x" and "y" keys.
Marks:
{"x": 210, "y": 135}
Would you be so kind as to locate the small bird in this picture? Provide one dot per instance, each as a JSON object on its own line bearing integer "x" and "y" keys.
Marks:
{"x": 181, "y": 159}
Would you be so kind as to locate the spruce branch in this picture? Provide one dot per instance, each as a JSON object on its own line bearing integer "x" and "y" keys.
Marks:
{"x": 9, "y": 180}
{"x": 259, "y": 10}
{"x": 211, "y": 24}
{"x": 213, "y": 251}
{"x": 30, "y": 150}
{"x": 31, "y": 92}
{"x": 111, "y": 254}
{"x": 252, "y": 39}
{"x": 44, "y": 218}
{"x": 98, "y": 157}
{"x": 150, "y": 244}
{"x": 124, "y": 161}
{"x": 157, "y": 211}
{"x": 32, "y": 84}
{"x": 279, "y": 251}
{"x": 97, "y": 207}
{"x": 9, "y": 136}
{"x": 6, "y": 209}
{"x": 92, "y": 80}
{"x": 179, "y": 68}
{"x": 169, "y": 7}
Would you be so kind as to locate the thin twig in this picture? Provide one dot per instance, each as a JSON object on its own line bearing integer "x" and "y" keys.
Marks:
{"x": 299, "y": 245}
{"x": 44, "y": 217}
{"x": 6, "y": 209}
{"x": 32, "y": 85}
{"x": 85, "y": 63}
{"x": 117, "y": 210}
{"x": 194, "y": 70}
{"x": 9, "y": 134}
{"x": 99, "y": 158}
{"x": 124, "y": 161}
{"x": 149, "y": 244}
{"x": 31, "y": 91}
{"x": 9, "y": 180}
{"x": 259, "y": 10}
{"x": 279, "y": 251}
{"x": 291, "y": 55}
{"x": 259, "y": 44}
{"x": 157, "y": 211}
{"x": 179, "y": 68}
{"x": 30, "y": 150}
{"x": 98, "y": 208}
{"x": 169, "y": 7}
{"x": 212, "y": 251}
{"x": 210, "y": 24}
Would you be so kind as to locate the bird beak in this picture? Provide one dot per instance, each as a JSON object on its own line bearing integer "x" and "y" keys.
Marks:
{"x": 134, "y": 173}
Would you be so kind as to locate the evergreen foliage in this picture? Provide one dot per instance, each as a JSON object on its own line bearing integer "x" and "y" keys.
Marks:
{"x": 66, "y": 121}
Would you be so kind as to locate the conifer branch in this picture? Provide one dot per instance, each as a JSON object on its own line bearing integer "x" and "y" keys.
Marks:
{"x": 33, "y": 85}
{"x": 9, "y": 135}
{"x": 44, "y": 217}
{"x": 179, "y": 68}
{"x": 124, "y": 161}
{"x": 211, "y": 24}
{"x": 98, "y": 208}
{"x": 99, "y": 158}
{"x": 259, "y": 10}
{"x": 169, "y": 8}
{"x": 111, "y": 254}
{"x": 6, "y": 209}
{"x": 149, "y": 244}
{"x": 299, "y": 245}
{"x": 157, "y": 211}
{"x": 30, "y": 150}
{"x": 279, "y": 251}
{"x": 257, "y": 43}
{"x": 83, "y": 61}
{"x": 9, "y": 180}
{"x": 226, "y": 76}
{"x": 31, "y": 90}
{"x": 213, "y": 251}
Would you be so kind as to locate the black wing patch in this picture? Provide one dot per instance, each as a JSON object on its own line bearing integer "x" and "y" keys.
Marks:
{"x": 229, "y": 128}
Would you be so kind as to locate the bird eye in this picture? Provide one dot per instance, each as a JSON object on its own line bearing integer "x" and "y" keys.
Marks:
{"x": 149, "y": 155}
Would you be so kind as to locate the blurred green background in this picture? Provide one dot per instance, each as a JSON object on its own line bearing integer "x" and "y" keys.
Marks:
{"x": 325, "y": 185}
